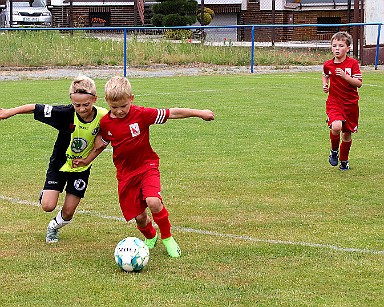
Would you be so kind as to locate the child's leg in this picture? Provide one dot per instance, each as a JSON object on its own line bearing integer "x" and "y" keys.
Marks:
{"x": 335, "y": 140}
{"x": 345, "y": 146}
{"x": 160, "y": 216}
{"x": 57, "y": 222}
{"x": 63, "y": 217}
{"x": 70, "y": 205}
{"x": 145, "y": 226}
{"x": 334, "y": 134}
{"x": 48, "y": 200}
{"x": 151, "y": 188}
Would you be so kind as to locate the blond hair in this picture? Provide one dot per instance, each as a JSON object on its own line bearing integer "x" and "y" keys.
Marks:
{"x": 83, "y": 85}
{"x": 118, "y": 89}
{"x": 342, "y": 36}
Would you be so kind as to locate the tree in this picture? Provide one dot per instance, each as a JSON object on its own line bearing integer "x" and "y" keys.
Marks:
{"x": 208, "y": 16}
{"x": 171, "y": 13}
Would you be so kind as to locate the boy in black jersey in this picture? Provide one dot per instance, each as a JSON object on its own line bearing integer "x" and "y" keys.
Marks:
{"x": 78, "y": 125}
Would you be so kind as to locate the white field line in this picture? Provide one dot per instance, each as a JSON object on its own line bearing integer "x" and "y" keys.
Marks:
{"x": 214, "y": 233}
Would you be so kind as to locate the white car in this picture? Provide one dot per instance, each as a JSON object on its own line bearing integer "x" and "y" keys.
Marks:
{"x": 26, "y": 14}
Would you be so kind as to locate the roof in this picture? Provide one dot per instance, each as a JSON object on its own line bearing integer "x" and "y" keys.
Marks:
{"x": 323, "y": 2}
{"x": 221, "y": 2}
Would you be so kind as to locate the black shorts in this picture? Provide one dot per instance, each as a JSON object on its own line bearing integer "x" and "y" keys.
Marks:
{"x": 76, "y": 182}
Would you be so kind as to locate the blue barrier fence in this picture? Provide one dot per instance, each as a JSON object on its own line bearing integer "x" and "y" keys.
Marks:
{"x": 252, "y": 27}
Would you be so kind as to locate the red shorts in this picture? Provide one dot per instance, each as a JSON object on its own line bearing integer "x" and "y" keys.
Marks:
{"x": 134, "y": 191}
{"x": 348, "y": 114}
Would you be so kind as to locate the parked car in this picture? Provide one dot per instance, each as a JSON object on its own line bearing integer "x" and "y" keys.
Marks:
{"x": 26, "y": 14}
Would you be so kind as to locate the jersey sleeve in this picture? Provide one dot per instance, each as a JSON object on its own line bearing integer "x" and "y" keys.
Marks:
{"x": 356, "y": 72}
{"x": 104, "y": 134}
{"x": 156, "y": 116}
{"x": 54, "y": 116}
{"x": 325, "y": 70}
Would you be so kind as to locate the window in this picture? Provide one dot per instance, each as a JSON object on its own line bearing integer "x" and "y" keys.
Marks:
{"x": 328, "y": 20}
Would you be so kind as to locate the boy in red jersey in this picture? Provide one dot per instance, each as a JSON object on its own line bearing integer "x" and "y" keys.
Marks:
{"x": 126, "y": 127}
{"x": 342, "y": 108}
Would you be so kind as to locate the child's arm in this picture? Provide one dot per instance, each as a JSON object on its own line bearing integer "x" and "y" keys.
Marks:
{"x": 98, "y": 147}
{"x": 176, "y": 113}
{"x": 352, "y": 81}
{"x": 25, "y": 109}
{"x": 325, "y": 83}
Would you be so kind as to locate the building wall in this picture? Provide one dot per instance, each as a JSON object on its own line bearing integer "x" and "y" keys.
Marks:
{"x": 81, "y": 16}
{"x": 373, "y": 12}
{"x": 254, "y": 15}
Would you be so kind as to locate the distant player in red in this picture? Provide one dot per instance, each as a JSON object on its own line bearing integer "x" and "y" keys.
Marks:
{"x": 126, "y": 127}
{"x": 341, "y": 78}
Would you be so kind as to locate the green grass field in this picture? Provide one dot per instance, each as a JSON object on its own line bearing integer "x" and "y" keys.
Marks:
{"x": 260, "y": 215}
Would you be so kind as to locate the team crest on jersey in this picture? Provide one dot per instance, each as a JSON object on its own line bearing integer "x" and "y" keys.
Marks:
{"x": 78, "y": 145}
{"x": 348, "y": 71}
{"x": 135, "y": 129}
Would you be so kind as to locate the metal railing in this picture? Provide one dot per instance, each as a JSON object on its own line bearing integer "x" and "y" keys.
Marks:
{"x": 251, "y": 44}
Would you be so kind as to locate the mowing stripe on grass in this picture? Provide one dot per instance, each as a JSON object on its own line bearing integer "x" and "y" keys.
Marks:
{"x": 214, "y": 233}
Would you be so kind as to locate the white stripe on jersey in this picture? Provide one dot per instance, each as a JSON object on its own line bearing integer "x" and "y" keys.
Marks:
{"x": 357, "y": 76}
{"x": 160, "y": 116}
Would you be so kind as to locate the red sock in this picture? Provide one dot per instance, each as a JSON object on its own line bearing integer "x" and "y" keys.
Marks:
{"x": 162, "y": 220}
{"x": 335, "y": 141}
{"x": 344, "y": 150}
{"x": 148, "y": 231}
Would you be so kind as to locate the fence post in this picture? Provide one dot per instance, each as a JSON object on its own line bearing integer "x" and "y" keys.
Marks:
{"x": 253, "y": 49}
{"x": 125, "y": 52}
{"x": 377, "y": 46}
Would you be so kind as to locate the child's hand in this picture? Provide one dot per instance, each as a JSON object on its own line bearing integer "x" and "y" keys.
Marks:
{"x": 339, "y": 72}
{"x": 3, "y": 113}
{"x": 207, "y": 115}
{"x": 325, "y": 88}
{"x": 78, "y": 163}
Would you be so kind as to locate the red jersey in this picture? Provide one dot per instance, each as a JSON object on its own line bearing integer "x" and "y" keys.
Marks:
{"x": 129, "y": 137}
{"x": 340, "y": 91}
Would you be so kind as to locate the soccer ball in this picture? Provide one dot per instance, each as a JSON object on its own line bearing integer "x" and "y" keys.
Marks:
{"x": 131, "y": 254}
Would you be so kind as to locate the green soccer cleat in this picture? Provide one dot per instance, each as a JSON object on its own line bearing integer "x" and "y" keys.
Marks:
{"x": 52, "y": 235}
{"x": 151, "y": 243}
{"x": 172, "y": 247}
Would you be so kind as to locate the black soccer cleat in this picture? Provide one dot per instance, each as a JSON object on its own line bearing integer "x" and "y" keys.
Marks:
{"x": 344, "y": 165}
{"x": 334, "y": 157}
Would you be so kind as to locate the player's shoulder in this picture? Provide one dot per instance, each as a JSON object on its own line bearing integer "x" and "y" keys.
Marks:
{"x": 141, "y": 110}
{"x": 328, "y": 62}
{"x": 100, "y": 110}
{"x": 351, "y": 61}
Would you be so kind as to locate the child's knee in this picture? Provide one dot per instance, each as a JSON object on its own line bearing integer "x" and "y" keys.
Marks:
{"x": 48, "y": 200}
{"x": 154, "y": 204}
{"x": 142, "y": 219}
{"x": 47, "y": 206}
{"x": 336, "y": 126}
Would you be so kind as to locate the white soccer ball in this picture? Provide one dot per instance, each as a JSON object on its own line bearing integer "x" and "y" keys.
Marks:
{"x": 131, "y": 254}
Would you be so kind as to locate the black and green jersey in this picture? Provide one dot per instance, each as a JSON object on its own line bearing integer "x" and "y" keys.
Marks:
{"x": 75, "y": 138}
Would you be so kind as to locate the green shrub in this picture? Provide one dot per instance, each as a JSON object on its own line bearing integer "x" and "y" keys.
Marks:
{"x": 169, "y": 13}
{"x": 178, "y": 34}
{"x": 208, "y": 15}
